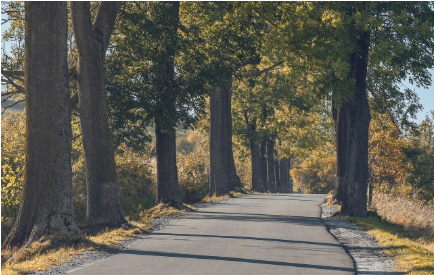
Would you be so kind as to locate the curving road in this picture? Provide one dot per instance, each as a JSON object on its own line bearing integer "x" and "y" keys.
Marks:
{"x": 252, "y": 234}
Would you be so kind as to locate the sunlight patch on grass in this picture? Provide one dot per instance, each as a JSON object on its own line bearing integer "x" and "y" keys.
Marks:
{"x": 411, "y": 255}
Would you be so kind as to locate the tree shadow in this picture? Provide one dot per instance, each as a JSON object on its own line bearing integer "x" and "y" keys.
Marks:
{"x": 234, "y": 259}
{"x": 245, "y": 238}
{"x": 307, "y": 221}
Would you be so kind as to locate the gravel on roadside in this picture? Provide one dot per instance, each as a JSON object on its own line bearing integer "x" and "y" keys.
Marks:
{"x": 368, "y": 256}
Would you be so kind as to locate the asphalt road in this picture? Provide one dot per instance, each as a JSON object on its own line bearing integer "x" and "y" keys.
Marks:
{"x": 253, "y": 234}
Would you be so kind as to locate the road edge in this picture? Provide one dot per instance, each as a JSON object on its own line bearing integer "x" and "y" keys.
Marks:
{"x": 368, "y": 257}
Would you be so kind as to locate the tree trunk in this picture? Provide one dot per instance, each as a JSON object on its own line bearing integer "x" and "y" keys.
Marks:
{"x": 342, "y": 153}
{"x": 46, "y": 203}
{"x": 290, "y": 181}
{"x": 263, "y": 150}
{"x": 103, "y": 201}
{"x": 277, "y": 175}
{"x": 165, "y": 125}
{"x": 270, "y": 159}
{"x": 285, "y": 178}
{"x": 167, "y": 173}
{"x": 257, "y": 178}
{"x": 358, "y": 116}
{"x": 223, "y": 176}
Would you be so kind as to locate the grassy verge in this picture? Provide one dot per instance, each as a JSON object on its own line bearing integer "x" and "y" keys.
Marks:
{"x": 412, "y": 255}
{"x": 52, "y": 251}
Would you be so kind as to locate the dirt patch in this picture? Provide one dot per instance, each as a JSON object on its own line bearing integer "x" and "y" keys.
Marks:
{"x": 368, "y": 256}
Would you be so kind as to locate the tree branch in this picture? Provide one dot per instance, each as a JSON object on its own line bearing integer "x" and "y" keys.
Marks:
{"x": 270, "y": 68}
{"x": 13, "y": 104}
{"x": 18, "y": 87}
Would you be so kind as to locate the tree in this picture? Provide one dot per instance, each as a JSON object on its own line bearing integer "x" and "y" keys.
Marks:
{"x": 386, "y": 43}
{"x": 223, "y": 176}
{"x": 103, "y": 202}
{"x": 46, "y": 204}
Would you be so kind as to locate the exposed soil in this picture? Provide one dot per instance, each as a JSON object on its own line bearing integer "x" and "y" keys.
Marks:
{"x": 368, "y": 256}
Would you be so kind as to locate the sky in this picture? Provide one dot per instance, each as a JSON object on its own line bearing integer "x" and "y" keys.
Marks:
{"x": 426, "y": 96}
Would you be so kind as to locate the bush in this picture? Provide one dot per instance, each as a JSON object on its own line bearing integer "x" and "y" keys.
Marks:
{"x": 12, "y": 161}
{"x": 193, "y": 169}
{"x": 316, "y": 175}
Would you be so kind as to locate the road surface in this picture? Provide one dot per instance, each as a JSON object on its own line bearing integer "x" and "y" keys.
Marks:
{"x": 252, "y": 234}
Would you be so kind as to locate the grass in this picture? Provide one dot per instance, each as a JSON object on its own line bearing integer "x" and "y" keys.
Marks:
{"x": 52, "y": 251}
{"x": 412, "y": 255}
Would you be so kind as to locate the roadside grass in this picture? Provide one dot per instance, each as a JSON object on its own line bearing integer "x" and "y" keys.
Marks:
{"x": 412, "y": 254}
{"x": 51, "y": 251}
{"x": 214, "y": 198}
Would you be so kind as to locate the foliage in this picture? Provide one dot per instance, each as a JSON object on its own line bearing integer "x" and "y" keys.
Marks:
{"x": 387, "y": 162}
{"x": 315, "y": 175}
{"x": 12, "y": 161}
{"x": 420, "y": 151}
{"x": 193, "y": 168}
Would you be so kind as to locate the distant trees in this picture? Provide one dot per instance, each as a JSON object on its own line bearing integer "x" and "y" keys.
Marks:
{"x": 46, "y": 203}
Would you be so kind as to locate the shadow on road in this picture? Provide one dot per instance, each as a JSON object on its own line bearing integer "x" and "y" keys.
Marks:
{"x": 308, "y": 221}
{"x": 245, "y": 238}
{"x": 234, "y": 259}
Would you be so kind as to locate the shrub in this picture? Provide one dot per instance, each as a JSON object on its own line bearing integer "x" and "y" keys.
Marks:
{"x": 12, "y": 161}
{"x": 193, "y": 169}
{"x": 316, "y": 175}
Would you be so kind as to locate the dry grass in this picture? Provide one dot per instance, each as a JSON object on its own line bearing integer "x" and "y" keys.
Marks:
{"x": 416, "y": 217}
{"x": 411, "y": 255}
{"x": 214, "y": 198}
{"x": 52, "y": 251}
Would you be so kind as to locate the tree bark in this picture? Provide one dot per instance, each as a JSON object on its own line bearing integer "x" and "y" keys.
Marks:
{"x": 223, "y": 176}
{"x": 256, "y": 160}
{"x": 46, "y": 204}
{"x": 263, "y": 150}
{"x": 342, "y": 153}
{"x": 165, "y": 133}
{"x": 167, "y": 172}
{"x": 103, "y": 200}
{"x": 356, "y": 147}
{"x": 285, "y": 177}
{"x": 277, "y": 175}
{"x": 270, "y": 161}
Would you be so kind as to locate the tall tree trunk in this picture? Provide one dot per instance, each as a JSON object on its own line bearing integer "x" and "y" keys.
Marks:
{"x": 290, "y": 181}
{"x": 358, "y": 119}
{"x": 277, "y": 175}
{"x": 257, "y": 178}
{"x": 46, "y": 203}
{"x": 341, "y": 152}
{"x": 270, "y": 160}
{"x": 103, "y": 201}
{"x": 263, "y": 150}
{"x": 165, "y": 134}
{"x": 285, "y": 178}
{"x": 223, "y": 176}
{"x": 167, "y": 173}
